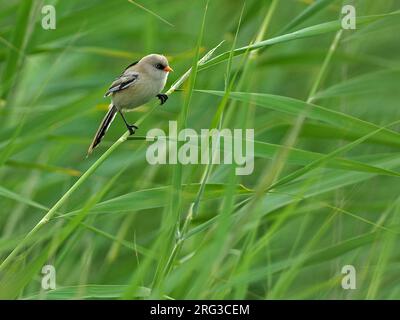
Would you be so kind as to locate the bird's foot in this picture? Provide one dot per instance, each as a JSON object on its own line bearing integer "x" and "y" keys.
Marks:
{"x": 163, "y": 98}
{"x": 132, "y": 128}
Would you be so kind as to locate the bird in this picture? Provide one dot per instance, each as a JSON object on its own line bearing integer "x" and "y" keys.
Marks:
{"x": 138, "y": 84}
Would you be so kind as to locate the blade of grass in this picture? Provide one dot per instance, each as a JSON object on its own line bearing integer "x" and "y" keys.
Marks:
{"x": 11, "y": 286}
{"x": 322, "y": 160}
{"x": 310, "y": 11}
{"x": 316, "y": 112}
{"x": 91, "y": 291}
{"x": 319, "y": 29}
{"x": 173, "y": 213}
{"x": 20, "y": 42}
{"x": 151, "y": 12}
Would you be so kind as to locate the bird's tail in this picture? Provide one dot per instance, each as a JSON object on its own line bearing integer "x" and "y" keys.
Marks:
{"x": 105, "y": 124}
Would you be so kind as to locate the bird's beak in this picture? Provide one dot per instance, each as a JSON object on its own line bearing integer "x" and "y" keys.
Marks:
{"x": 168, "y": 69}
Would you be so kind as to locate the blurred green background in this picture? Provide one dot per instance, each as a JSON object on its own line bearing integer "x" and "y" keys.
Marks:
{"x": 330, "y": 198}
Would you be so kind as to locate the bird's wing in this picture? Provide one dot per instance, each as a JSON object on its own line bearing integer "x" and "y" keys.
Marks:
{"x": 127, "y": 79}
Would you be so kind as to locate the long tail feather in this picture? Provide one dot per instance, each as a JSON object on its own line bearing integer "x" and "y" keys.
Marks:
{"x": 101, "y": 131}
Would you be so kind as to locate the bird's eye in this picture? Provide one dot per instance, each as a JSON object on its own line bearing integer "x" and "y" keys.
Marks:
{"x": 159, "y": 66}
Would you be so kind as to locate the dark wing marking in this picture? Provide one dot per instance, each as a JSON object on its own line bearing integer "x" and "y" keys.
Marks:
{"x": 132, "y": 64}
{"x": 124, "y": 81}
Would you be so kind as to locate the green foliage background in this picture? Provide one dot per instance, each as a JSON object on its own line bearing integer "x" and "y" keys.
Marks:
{"x": 325, "y": 188}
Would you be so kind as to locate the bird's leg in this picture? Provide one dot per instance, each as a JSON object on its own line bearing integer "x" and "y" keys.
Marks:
{"x": 131, "y": 127}
{"x": 163, "y": 98}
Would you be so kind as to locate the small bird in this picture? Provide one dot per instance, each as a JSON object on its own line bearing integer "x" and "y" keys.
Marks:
{"x": 139, "y": 83}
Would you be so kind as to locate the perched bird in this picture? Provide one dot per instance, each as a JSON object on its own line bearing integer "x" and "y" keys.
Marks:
{"x": 139, "y": 83}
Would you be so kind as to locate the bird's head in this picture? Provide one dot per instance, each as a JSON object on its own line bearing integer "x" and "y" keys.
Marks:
{"x": 155, "y": 65}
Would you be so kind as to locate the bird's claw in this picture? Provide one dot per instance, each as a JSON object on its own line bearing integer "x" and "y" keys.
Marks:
{"x": 163, "y": 98}
{"x": 132, "y": 128}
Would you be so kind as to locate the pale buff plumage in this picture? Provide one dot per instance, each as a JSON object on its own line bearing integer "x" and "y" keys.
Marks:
{"x": 148, "y": 81}
{"x": 138, "y": 84}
